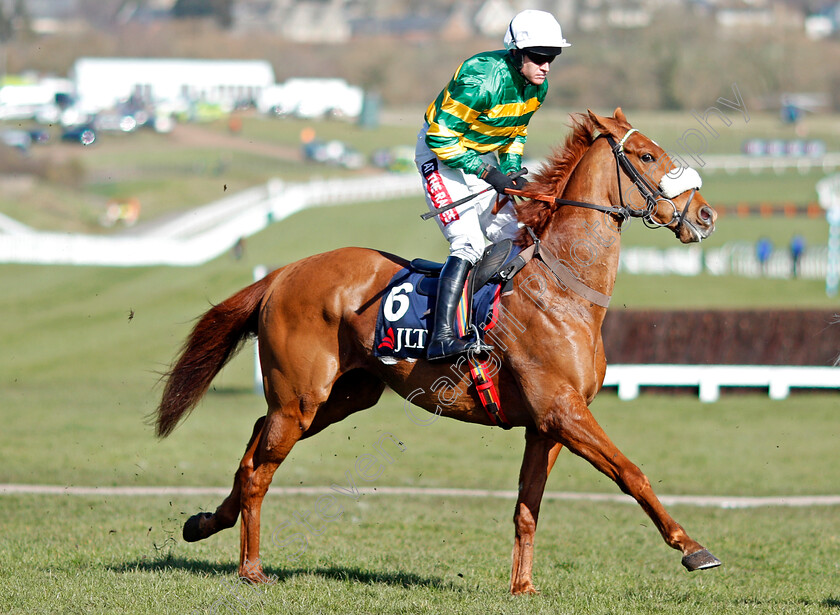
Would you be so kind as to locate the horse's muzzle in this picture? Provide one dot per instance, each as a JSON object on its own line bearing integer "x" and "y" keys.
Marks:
{"x": 697, "y": 229}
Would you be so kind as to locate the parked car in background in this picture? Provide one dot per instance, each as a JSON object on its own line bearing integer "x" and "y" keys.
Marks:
{"x": 397, "y": 159}
{"x": 83, "y": 133}
{"x": 18, "y": 139}
{"x": 115, "y": 122}
{"x": 39, "y": 136}
{"x": 333, "y": 152}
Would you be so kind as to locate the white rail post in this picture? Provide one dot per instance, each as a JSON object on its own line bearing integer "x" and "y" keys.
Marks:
{"x": 260, "y": 271}
{"x": 828, "y": 190}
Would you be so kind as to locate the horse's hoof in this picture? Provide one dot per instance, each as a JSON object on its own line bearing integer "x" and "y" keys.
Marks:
{"x": 193, "y": 530}
{"x": 700, "y": 560}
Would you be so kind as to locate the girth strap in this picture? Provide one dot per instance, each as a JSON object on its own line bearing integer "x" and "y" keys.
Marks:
{"x": 483, "y": 382}
{"x": 487, "y": 393}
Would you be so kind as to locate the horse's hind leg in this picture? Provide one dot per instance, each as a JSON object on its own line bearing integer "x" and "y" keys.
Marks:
{"x": 282, "y": 429}
{"x": 202, "y": 525}
{"x": 299, "y": 418}
{"x": 537, "y": 461}
{"x": 573, "y": 424}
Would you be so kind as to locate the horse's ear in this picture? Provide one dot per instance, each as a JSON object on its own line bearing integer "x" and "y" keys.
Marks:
{"x": 606, "y": 125}
{"x": 619, "y": 116}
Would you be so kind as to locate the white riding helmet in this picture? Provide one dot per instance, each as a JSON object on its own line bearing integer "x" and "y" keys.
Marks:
{"x": 535, "y": 30}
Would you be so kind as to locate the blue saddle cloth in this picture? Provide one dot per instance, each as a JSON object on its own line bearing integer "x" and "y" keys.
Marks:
{"x": 405, "y": 316}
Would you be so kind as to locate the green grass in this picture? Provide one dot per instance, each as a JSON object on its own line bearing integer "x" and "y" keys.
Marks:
{"x": 796, "y": 438}
{"x": 414, "y": 555}
{"x": 78, "y": 379}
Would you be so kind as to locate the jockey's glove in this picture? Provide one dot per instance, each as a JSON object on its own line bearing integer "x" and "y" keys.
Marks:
{"x": 499, "y": 180}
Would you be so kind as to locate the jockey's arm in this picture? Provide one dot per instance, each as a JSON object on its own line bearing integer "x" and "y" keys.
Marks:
{"x": 459, "y": 105}
{"x": 510, "y": 156}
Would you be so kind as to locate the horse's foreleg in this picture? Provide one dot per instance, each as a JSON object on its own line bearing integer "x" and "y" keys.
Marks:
{"x": 202, "y": 525}
{"x": 537, "y": 461}
{"x": 573, "y": 424}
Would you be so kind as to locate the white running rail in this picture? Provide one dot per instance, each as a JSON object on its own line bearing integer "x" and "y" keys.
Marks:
{"x": 709, "y": 379}
{"x": 199, "y": 235}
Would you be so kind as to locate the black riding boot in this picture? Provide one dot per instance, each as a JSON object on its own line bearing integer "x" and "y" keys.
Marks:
{"x": 444, "y": 342}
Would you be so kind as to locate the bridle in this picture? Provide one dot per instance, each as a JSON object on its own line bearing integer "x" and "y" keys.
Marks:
{"x": 652, "y": 194}
{"x": 623, "y": 213}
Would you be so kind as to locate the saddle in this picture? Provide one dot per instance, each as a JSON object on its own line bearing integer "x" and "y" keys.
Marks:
{"x": 499, "y": 264}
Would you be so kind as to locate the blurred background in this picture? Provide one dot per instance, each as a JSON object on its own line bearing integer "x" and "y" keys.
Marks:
{"x": 229, "y": 136}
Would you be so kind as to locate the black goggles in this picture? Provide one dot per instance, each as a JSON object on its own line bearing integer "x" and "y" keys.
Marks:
{"x": 539, "y": 59}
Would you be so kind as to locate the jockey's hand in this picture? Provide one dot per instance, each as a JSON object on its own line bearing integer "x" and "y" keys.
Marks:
{"x": 497, "y": 179}
{"x": 520, "y": 182}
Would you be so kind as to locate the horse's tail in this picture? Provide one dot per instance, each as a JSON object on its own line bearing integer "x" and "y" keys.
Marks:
{"x": 214, "y": 340}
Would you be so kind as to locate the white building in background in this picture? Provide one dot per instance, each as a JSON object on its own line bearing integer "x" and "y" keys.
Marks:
{"x": 311, "y": 98}
{"x": 101, "y": 83}
{"x": 32, "y": 99}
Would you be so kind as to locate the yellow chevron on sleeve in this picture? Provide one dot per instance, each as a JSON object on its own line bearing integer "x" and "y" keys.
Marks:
{"x": 430, "y": 112}
{"x": 463, "y": 112}
{"x": 514, "y": 109}
{"x": 481, "y": 148}
{"x": 442, "y": 131}
{"x": 450, "y": 151}
{"x": 511, "y": 132}
{"x": 514, "y": 147}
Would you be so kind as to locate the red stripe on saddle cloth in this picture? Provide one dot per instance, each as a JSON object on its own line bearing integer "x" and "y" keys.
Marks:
{"x": 494, "y": 310}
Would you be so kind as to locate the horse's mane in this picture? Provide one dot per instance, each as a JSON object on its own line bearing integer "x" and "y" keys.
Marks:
{"x": 552, "y": 178}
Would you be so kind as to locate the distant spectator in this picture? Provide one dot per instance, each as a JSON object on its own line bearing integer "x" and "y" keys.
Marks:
{"x": 763, "y": 250}
{"x": 797, "y": 247}
{"x": 238, "y": 250}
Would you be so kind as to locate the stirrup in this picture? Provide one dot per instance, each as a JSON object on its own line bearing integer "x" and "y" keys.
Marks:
{"x": 456, "y": 346}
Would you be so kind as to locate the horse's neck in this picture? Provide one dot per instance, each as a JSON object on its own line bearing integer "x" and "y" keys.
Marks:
{"x": 586, "y": 240}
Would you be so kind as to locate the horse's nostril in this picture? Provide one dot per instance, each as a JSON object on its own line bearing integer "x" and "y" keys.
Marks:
{"x": 706, "y": 214}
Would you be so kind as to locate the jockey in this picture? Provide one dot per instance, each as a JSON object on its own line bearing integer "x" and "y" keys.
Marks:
{"x": 474, "y": 135}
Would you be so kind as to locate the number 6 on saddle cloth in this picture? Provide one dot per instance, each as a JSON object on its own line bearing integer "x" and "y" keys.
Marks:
{"x": 405, "y": 316}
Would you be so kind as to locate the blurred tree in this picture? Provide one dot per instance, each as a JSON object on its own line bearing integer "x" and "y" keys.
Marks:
{"x": 6, "y": 23}
{"x": 105, "y": 13}
{"x": 14, "y": 19}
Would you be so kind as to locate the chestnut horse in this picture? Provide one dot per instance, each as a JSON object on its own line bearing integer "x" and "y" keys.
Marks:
{"x": 315, "y": 321}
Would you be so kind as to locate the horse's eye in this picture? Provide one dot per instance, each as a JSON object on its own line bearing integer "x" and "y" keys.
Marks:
{"x": 648, "y": 158}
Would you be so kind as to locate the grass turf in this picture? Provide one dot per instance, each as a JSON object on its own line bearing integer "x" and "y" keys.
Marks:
{"x": 411, "y": 555}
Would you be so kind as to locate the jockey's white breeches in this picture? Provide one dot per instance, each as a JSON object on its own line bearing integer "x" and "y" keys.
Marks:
{"x": 466, "y": 226}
